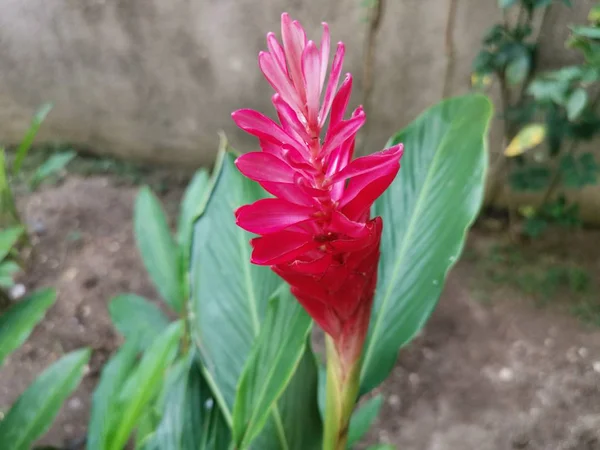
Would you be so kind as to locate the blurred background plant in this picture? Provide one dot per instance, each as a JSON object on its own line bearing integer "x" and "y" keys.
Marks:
{"x": 556, "y": 108}
{"x": 13, "y": 231}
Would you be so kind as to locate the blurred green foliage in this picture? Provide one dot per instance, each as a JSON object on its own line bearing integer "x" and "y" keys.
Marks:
{"x": 565, "y": 101}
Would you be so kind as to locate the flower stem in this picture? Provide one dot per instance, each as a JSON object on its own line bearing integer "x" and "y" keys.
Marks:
{"x": 343, "y": 377}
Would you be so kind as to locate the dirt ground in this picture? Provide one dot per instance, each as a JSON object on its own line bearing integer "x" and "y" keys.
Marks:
{"x": 492, "y": 370}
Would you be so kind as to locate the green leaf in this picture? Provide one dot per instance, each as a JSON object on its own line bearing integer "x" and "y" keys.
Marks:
{"x": 7, "y": 272}
{"x": 157, "y": 248}
{"x": 541, "y": 3}
{"x": 137, "y": 318}
{"x": 506, "y": 3}
{"x": 576, "y": 103}
{"x": 194, "y": 201}
{"x": 229, "y": 294}
{"x": 8, "y": 211}
{"x": 17, "y": 323}
{"x": 8, "y": 238}
{"x": 52, "y": 165}
{"x": 518, "y": 68}
{"x": 548, "y": 90}
{"x": 27, "y": 141}
{"x": 588, "y": 32}
{"x": 105, "y": 410}
{"x": 567, "y": 73}
{"x": 275, "y": 356}
{"x": 229, "y": 300}
{"x": 298, "y": 422}
{"x": 191, "y": 419}
{"x": 363, "y": 418}
{"x": 144, "y": 383}
{"x": 382, "y": 447}
{"x": 34, "y": 411}
{"x": 426, "y": 213}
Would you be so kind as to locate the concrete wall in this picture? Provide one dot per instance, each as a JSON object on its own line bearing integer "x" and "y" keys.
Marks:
{"x": 156, "y": 79}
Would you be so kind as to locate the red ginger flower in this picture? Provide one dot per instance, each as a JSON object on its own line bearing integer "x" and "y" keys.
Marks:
{"x": 316, "y": 233}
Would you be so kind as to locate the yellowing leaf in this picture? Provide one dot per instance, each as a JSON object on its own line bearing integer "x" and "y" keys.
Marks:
{"x": 527, "y": 211}
{"x": 529, "y": 137}
{"x": 594, "y": 15}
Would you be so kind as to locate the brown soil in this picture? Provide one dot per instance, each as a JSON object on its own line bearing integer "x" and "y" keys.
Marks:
{"x": 491, "y": 370}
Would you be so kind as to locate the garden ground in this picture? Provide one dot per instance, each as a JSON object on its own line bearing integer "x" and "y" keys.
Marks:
{"x": 509, "y": 360}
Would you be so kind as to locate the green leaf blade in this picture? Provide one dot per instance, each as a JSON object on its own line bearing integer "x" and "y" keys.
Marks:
{"x": 192, "y": 205}
{"x": 104, "y": 401}
{"x": 276, "y": 354}
{"x": 136, "y": 318}
{"x": 33, "y": 413}
{"x": 144, "y": 383}
{"x": 363, "y": 418}
{"x": 191, "y": 419}
{"x": 27, "y": 141}
{"x": 576, "y": 103}
{"x": 158, "y": 249}
{"x": 18, "y": 322}
{"x": 229, "y": 295}
{"x": 51, "y": 166}
{"x": 426, "y": 213}
{"x": 8, "y": 238}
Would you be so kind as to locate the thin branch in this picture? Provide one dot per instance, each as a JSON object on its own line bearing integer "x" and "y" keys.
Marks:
{"x": 369, "y": 60}
{"x": 450, "y": 48}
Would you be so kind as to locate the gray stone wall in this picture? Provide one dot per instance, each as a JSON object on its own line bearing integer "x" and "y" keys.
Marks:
{"x": 157, "y": 79}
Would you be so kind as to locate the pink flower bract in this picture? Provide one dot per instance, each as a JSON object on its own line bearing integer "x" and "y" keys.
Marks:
{"x": 316, "y": 232}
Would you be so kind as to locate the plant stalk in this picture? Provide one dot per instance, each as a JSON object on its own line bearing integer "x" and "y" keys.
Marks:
{"x": 343, "y": 382}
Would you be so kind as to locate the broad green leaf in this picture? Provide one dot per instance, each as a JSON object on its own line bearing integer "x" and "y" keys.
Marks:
{"x": 145, "y": 427}
{"x": 274, "y": 358}
{"x": 52, "y": 165}
{"x": 576, "y": 103}
{"x": 229, "y": 301}
{"x": 34, "y": 411}
{"x": 229, "y": 294}
{"x": 27, "y": 141}
{"x": 8, "y": 238}
{"x": 426, "y": 214}
{"x": 382, "y": 447}
{"x": 529, "y": 137}
{"x": 506, "y": 3}
{"x": 194, "y": 200}
{"x": 297, "y": 423}
{"x": 518, "y": 68}
{"x": 8, "y": 270}
{"x": 137, "y": 318}
{"x": 363, "y": 418}
{"x": 105, "y": 409}
{"x": 191, "y": 419}
{"x": 588, "y": 32}
{"x": 144, "y": 384}
{"x": 17, "y": 323}
{"x": 549, "y": 90}
{"x": 157, "y": 248}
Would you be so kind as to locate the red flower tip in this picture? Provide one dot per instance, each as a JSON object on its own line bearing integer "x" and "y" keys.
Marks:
{"x": 316, "y": 232}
